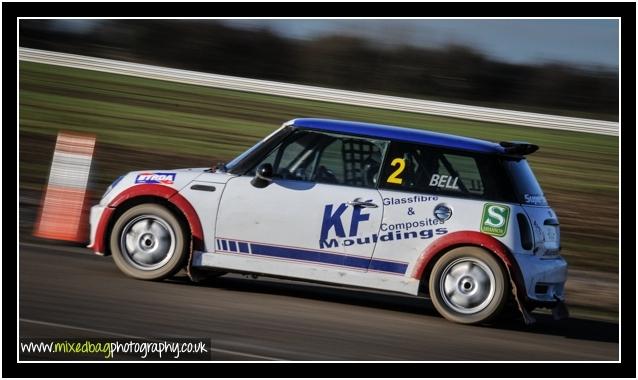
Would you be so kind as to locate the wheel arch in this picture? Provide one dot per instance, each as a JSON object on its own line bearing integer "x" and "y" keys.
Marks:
{"x": 441, "y": 246}
{"x": 158, "y": 194}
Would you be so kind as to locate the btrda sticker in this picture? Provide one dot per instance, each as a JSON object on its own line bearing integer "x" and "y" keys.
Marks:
{"x": 159, "y": 178}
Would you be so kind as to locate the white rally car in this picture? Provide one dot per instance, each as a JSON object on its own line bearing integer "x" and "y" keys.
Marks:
{"x": 355, "y": 204}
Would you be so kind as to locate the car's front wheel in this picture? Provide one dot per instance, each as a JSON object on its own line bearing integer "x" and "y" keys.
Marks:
{"x": 148, "y": 242}
{"x": 468, "y": 285}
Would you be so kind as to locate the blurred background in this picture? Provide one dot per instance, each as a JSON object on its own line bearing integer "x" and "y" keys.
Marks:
{"x": 561, "y": 67}
{"x": 567, "y": 67}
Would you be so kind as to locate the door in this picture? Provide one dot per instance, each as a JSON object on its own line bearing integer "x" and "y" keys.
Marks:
{"x": 322, "y": 207}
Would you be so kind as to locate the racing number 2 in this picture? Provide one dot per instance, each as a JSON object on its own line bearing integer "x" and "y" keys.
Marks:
{"x": 394, "y": 177}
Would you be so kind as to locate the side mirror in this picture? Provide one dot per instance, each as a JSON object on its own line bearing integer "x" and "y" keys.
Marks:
{"x": 263, "y": 176}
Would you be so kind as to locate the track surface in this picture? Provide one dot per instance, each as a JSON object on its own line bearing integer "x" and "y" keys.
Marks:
{"x": 68, "y": 292}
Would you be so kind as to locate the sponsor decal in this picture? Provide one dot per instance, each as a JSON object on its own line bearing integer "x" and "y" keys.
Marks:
{"x": 444, "y": 181}
{"x": 394, "y": 177}
{"x": 495, "y": 219}
{"x": 391, "y": 201}
{"x": 410, "y": 225}
{"x": 535, "y": 199}
{"x": 443, "y": 212}
{"x": 332, "y": 221}
{"x": 159, "y": 178}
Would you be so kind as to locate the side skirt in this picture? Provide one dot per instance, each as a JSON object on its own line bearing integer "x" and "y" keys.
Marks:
{"x": 311, "y": 272}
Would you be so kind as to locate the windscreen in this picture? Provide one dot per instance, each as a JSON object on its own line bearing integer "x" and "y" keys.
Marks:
{"x": 527, "y": 187}
{"x": 246, "y": 160}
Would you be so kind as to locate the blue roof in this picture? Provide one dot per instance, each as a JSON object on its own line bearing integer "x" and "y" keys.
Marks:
{"x": 399, "y": 134}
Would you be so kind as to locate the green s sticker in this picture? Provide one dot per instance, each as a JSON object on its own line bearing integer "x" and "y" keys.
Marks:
{"x": 495, "y": 219}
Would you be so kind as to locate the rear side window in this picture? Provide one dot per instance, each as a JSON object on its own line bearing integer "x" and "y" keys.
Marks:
{"x": 527, "y": 187}
{"x": 419, "y": 168}
{"x": 461, "y": 171}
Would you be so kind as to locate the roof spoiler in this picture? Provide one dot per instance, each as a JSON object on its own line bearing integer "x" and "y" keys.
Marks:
{"x": 518, "y": 147}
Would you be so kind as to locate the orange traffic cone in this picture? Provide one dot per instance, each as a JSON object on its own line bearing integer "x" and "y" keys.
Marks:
{"x": 64, "y": 209}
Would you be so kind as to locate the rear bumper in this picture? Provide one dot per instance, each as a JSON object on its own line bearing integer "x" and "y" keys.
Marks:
{"x": 544, "y": 278}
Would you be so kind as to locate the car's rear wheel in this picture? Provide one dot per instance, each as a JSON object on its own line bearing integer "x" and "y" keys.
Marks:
{"x": 468, "y": 285}
{"x": 148, "y": 242}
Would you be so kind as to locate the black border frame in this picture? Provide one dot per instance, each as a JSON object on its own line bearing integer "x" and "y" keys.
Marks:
{"x": 626, "y": 11}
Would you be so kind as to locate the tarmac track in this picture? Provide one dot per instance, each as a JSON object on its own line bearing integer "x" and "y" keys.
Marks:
{"x": 67, "y": 291}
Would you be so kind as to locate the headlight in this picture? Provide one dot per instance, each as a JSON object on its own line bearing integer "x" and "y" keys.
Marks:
{"x": 112, "y": 185}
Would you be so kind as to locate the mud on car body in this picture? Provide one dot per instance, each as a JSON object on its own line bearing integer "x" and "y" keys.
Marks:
{"x": 354, "y": 204}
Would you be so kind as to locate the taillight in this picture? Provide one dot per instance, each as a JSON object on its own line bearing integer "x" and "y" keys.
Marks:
{"x": 527, "y": 242}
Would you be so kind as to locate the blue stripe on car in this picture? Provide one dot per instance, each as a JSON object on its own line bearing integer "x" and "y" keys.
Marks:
{"x": 388, "y": 266}
{"x": 313, "y": 256}
{"x": 329, "y": 258}
{"x": 316, "y": 256}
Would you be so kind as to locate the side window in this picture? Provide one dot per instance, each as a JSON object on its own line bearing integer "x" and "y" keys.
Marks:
{"x": 293, "y": 158}
{"x": 293, "y": 151}
{"x": 327, "y": 158}
{"x": 465, "y": 172}
{"x": 419, "y": 168}
{"x": 330, "y": 164}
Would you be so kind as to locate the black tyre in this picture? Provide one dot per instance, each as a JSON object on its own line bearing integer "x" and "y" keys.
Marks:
{"x": 148, "y": 242}
{"x": 468, "y": 285}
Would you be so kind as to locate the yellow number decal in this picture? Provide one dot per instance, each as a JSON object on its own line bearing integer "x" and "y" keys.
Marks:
{"x": 393, "y": 178}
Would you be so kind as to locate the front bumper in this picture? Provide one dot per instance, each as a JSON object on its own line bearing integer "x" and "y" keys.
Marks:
{"x": 95, "y": 218}
{"x": 544, "y": 278}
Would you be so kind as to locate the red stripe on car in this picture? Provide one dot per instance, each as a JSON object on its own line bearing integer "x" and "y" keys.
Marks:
{"x": 457, "y": 239}
{"x": 165, "y": 192}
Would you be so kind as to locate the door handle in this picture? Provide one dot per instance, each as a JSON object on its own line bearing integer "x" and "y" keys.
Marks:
{"x": 361, "y": 203}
